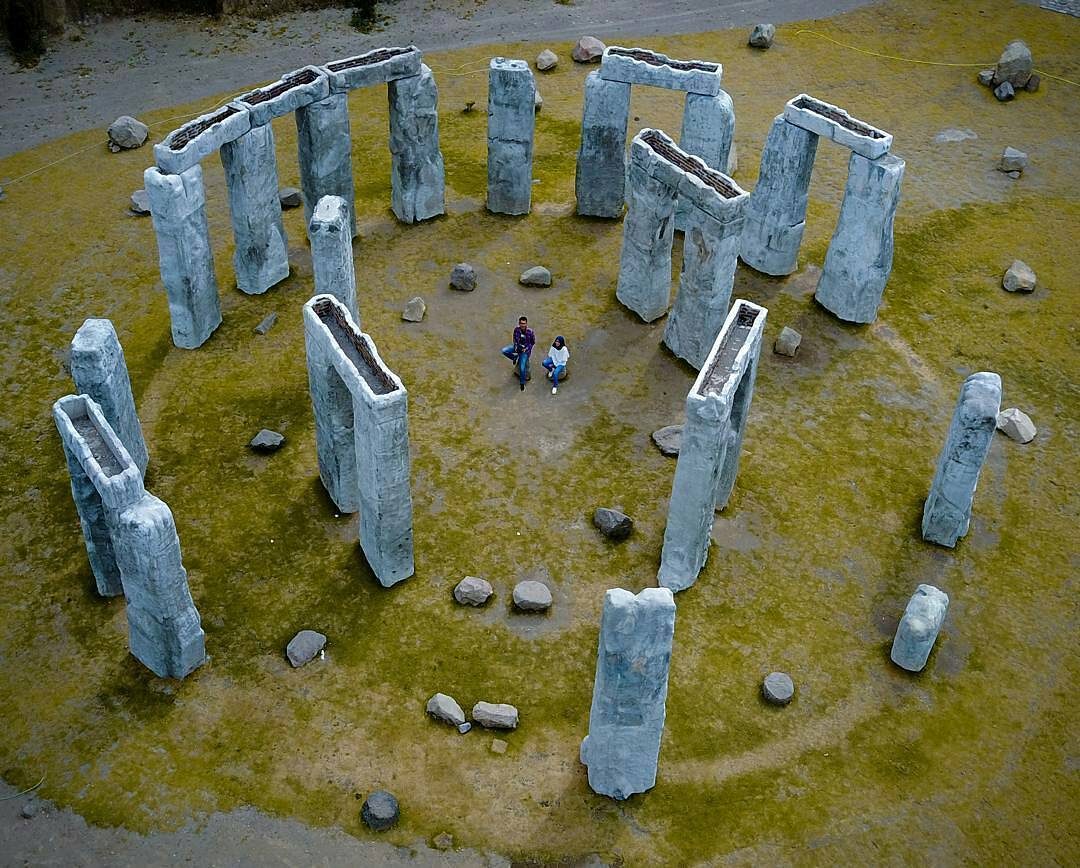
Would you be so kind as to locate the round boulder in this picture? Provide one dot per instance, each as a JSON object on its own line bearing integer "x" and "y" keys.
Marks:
{"x": 1016, "y": 425}
{"x": 535, "y": 276}
{"x": 445, "y": 708}
{"x": 495, "y": 715}
{"x": 140, "y": 203}
{"x": 304, "y": 646}
{"x": 1015, "y": 64}
{"x": 463, "y": 277}
{"x": 546, "y": 59}
{"x": 126, "y": 133}
{"x": 530, "y": 596}
{"x": 473, "y": 591}
{"x": 778, "y": 688}
{"x": 589, "y": 49}
{"x": 380, "y": 810}
{"x": 1019, "y": 277}
{"x": 762, "y": 35}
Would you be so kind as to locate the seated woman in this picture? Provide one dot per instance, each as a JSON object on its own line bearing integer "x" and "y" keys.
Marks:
{"x": 557, "y": 357}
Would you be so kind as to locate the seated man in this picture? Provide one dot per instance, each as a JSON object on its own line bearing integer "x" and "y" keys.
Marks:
{"x": 521, "y": 349}
{"x": 557, "y": 357}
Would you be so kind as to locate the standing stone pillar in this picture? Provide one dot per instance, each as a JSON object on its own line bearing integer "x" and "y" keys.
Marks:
{"x": 100, "y": 371}
{"x": 601, "y": 163}
{"x": 947, "y": 512}
{"x": 178, "y": 208}
{"x": 261, "y": 258}
{"x": 708, "y": 129}
{"x": 859, "y": 260}
{"x": 626, "y": 721}
{"x": 776, "y": 214}
{"x": 331, "y": 252}
{"x": 417, "y": 176}
{"x": 511, "y": 122}
{"x": 644, "y": 283}
{"x": 324, "y": 145}
{"x": 716, "y": 411}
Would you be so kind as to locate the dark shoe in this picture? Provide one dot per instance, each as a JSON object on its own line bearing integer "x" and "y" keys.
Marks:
{"x": 522, "y": 387}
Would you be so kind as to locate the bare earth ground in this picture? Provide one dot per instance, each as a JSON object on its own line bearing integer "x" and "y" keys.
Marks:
{"x": 249, "y": 762}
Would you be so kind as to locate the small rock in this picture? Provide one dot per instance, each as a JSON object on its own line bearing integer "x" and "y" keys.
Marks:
{"x": 495, "y": 715}
{"x": 1013, "y": 175}
{"x": 126, "y": 133}
{"x": 1019, "y": 277}
{"x": 668, "y": 440}
{"x": 546, "y": 59}
{"x": 1033, "y": 83}
{"x": 1004, "y": 92}
{"x": 290, "y": 197}
{"x": 1012, "y": 160}
{"x": 535, "y": 276}
{"x": 304, "y": 646}
{"x": 140, "y": 203}
{"x": 267, "y": 441}
{"x": 1015, "y": 65}
{"x": 463, "y": 277}
{"x": 612, "y": 523}
{"x": 1017, "y": 425}
{"x": 30, "y": 810}
{"x": 530, "y": 596}
{"x": 787, "y": 342}
{"x": 589, "y": 49}
{"x": 498, "y": 746}
{"x": 778, "y": 688}
{"x": 762, "y": 35}
{"x": 472, "y": 591}
{"x": 464, "y": 727}
{"x": 954, "y": 135}
{"x": 414, "y": 310}
{"x": 986, "y": 77}
{"x": 267, "y": 324}
{"x": 380, "y": 810}
{"x": 443, "y": 841}
{"x": 538, "y": 101}
{"x": 445, "y": 708}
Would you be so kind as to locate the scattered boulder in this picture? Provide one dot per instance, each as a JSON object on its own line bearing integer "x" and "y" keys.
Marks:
{"x": 530, "y": 596}
{"x": 1004, "y": 92}
{"x": 31, "y": 809}
{"x": 140, "y": 203}
{"x": 1012, "y": 160}
{"x": 1019, "y": 277}
{"x": 127, "y": 133}
{"x": 778, "y": 688}
{"x": 1016, "y": 425}
{"x": 546, "y": 59}
{"x": 952, "y": 135}
{"x": 1013, "y": 175}
{"x": 267, "y": 441}
{"x": 472, "y": 591}
{"x": 267, "y": 324}
{"x": 787, "y": 342}
{"x": 612, "y": 523}
{"x": 1033, "y": 83}
{"x": 762, "y": 35}
{"x": 445, "y": 708}
{"x": 535, "y": 276}
{"x": 290, "y": 197}
{"x": 986, "y": 77}
{"x": 538, "y": 102}
{"x": 414, "y": 310}
{"x": 589, "y": 49}
{"x": 498, "y": 746}
{"x": 304, "y": 646}
{"x": 668, "y": 440}
{"x": 464, "y": 727}
{"x": 1014, "y": 66}
{"x": 380, "y": 810}
{"x": 495, "y": 715}
{"x": 463, "y": 277}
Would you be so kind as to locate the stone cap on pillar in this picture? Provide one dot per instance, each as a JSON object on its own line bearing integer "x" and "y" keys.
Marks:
{"x": 825, "y": 119}
{"x": 198, "y": 138}
{"x": 732, "y": 353}
{"x": 293, "y": 90}
{"x": 380, "y": 66}
{"x": 642, "y": 66}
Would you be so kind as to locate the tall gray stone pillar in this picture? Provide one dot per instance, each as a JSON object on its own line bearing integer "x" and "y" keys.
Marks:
{"x": 776, "y": 214}
{"x": 708, "y": 129}
{"x": 644, "y": 283}
{"x": 178, "y": 208}
{"x": 716, "y": 411}
{"x": 261, "y": 258}
{"x": 324, "y": 145}
{"x": 100, "y": 371}
{"x": 511, "y": 122}
{"x": 332, "y": 254}
{"x": 601, "y": 162}
{"x": 417, "y": 176}
{"x": 947, "y": 511}
{"x": 859, "y": 260}
{"x": 626, "y": 721}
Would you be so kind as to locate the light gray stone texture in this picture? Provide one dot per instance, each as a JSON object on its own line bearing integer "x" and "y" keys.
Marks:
{"x": 417, "y": 175}
{"x": 463, "y": 277}
{"x": 445, "y": 708}
{"x": 778, "y": 688}
{"x": 919, "y": 627}
{"x": 531, "y": 596}
{"x": 787, "y": 342}
{"x": 414, "y": 310}
{"x": 762, "y": 36}
{"x": 546, "y": 59}
{"x": 378, "y": 66}
{"x": 464, "y": 727}
{"x": 776, "y": 212}
{"x": 708, "y": 130}
{"x": 1012, "y": 160}
{"x": 668, "y": 439}
{"x": 1016, "y": 425}
{"x": 330, "y": 231}
{"x": 304, "y": 647}
{"x": 1019, "y": 277}
{"x": 601, "y": 162}
{"x": 473, "y": 591}
{"x": 1004, "y": 92}
{"x": 511, "y": 122}
{"x": 588, "y": 49}
{"x": 716, "y": 411}
{"x": 953, "y": 135}
{"x": 266, "y": 324}
{"x": 185, "y": 146}
{"x": 324, "y": 146}
{"x": 644, "y": 283}
{"x": 126, "y": 133}
{"x": 834, "y": 123}
{"x": 267, "y": 441}
{"x": 178, "y": 206}
{"x": 986, "y": 77}
{"x": 859, "y": 260}
{"x": 292, "y": 91}
{"x": 947, "y": 512}
{"x": 537, "y": 275}
{"x": 261, "y": 257}
{"x": 626, "y": 721}
{"x": 643, "y": 66}
{"x": 290, "y": 197}
{"x": 1015, "y": 65}
{"x": 380, "y": 811}
{"x": 495, "y": 715}
{"x": 100, "y": 371}
{"x": 140, "y": 203}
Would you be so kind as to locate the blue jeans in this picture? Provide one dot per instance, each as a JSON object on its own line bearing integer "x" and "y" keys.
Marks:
{"x": 520, "y": 360}
{"x": 556, "y": 370}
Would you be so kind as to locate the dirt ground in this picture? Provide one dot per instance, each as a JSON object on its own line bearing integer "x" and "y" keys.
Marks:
{"x": 250, "y": 762}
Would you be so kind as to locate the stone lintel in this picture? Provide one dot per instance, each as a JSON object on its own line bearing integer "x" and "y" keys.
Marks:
{"x": 379, "y": 66}
{"x": 642, "y": 66}
{"x": 198, "y": 138}
{"x": 298, "y": 88}
{"x": 825, "y": 119}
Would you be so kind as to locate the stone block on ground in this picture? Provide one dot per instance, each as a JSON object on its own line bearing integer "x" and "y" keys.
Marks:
{"x": 414, "y": 311}
{"x": 1017, "y": 425}
{"x": 778, "y": 688}
{"x": 380, "y": 811}
{"x": 473, "y": 591}
{"x": 1004, "y": 92}
{"x": 267, "y": 441}
{"x": 463, "y": 277}
{"x": 266, "y": 324}
{"x": 495, "y": 715}
{"x": 919, "y": 627}
{"x": 588, "y": 49}
{"x": 612, "y": 523}
{"x": 140, "y": 203}
{"x": 445, "y": 708}
{"x": 126, "y": 133}
{"x": 762, "y": 35}
{"x": 530, "y": 596}
{"x": 1019, "y": 277}
{"x": 290, "y": 197}
{"x": 668, "y": 440}
{"x": 787, "y": 342}
{"x": 1012, "y": 160}
{"x": 304, "y": 646}
{"x": 1014, "y": 66}
{"x": 547, "y": 59}
{"x": 535, "y": 276}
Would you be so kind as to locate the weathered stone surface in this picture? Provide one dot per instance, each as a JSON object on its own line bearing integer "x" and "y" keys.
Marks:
{"x": 601, "y": 162}
{"x": 290, "y": 197}
{"x": 668, "y": 439}
{"x": 495, "y": 715}
{"x": 919, "y": 627}
{"x": 304, "y": 647}
{"x": 1004, "y": 92}
{"x": 777, "y": 688}
{"x": 708, "y": 131}
{"x": 530, "y": 596}
{"x": 140, "y": 203}
{"x": 293, "y": 95}
{"x": 538, "y": 101}
{"x": 126, "y": 133}
{"x": 859, "y": 260}
{"x": 443, "y": 841}
{"x": 445, "y": 708}
{"x": 414, "y": 310}
{"x": 261, "y": 255}
{"x": 1015, "y": 65}
{"x": 695, "y": 76}
{"x": 330, "y": 231}
{"x": 324, "y": 149}
{"x": 787, "y": 342}
{"x": 953, "y": 135}
{"x": 417, "y": 174}
{"x": 380, "y": 810}
{"x": 463, "y": 277}
{"x": 217, "y": 127}
{"x": 178, "y": 206}
{"x": 511, "y": 123}
{"x": 1017, "y": 425}
{"x": 626, "y": 721}
{"x": 1019, "y": 277}
{"x": 464, "y": 727}
{"x": 762, "y": 35}
{"x": 776, "y": 212}
{"x": 267, "y": 441}
{"x": 100, "y": 371}
{"x": 644, "y": 283}
{"x": 612, "y": 523}
{"x": 473, "y": 591}
{"x": 1033, "y": 83}
{"x": 947, "y": 512}
{"x": 1012, "y": 160}
{"x": 546, "y": 59}
{"x": 266, "y": 324}
{"x": 588, "y": 49}
{"x": 535, "y": 276}
{"x": 350, "y": 73}
{"x": 818, "y": 116}
{"x": 986, "y": 77}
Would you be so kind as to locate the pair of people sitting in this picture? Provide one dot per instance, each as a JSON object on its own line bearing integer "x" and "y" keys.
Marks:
{"x": 520, "y": 351}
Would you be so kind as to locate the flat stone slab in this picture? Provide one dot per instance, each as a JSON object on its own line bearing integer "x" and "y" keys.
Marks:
{"x": 379, "y": 66}
{"x": 642, "y": 66}
{"x": 495, "y": 715}
{"x": 668, "y": 440}
{"x": 778, "y": 688}
{"x": 473, "y": 591}
{"x": 530, "y": 596}
{"x": 198, "y": 138}
{"x": 380, "y": 811}
{"x": 445, "y": 708}
{"x": 825, "y": 119}
{"x": 304, "y": 646}
{"x": 267, "y": 441}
